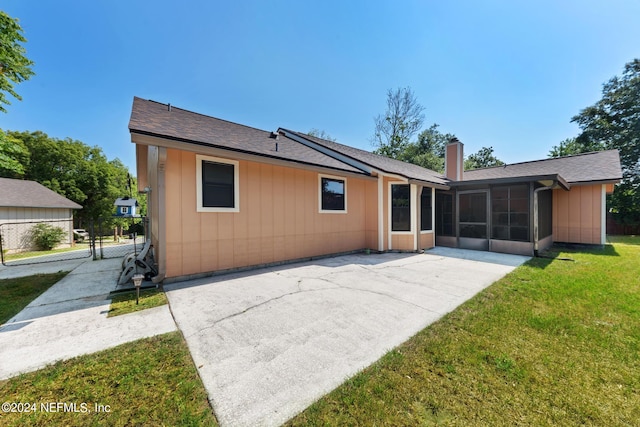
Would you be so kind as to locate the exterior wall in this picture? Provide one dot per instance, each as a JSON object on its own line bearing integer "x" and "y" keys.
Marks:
{"x": 511, "y": 247}
{"x": 15, "y": 236}
{"x": 426, "y": 240}
{"x": 279, "y": 218}
{"x": 577, "y": 215}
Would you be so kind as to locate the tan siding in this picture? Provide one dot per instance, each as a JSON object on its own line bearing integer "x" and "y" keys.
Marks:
{"x": 426, "y": 241}
{"x": 278, "y": 219}
{"x": 402, "y": 242}
{"x": 577, "y": 214}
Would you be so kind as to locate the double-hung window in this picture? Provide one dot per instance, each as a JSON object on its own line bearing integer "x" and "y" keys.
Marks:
{"x": 217, "y": 184}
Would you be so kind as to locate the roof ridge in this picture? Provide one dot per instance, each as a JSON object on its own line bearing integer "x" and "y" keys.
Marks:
{"x": 541, "y": 160}
{"x": 203, "y": 115}
{"x": 305, "y": 135}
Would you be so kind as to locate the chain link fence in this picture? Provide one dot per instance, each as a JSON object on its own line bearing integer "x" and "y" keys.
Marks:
{"x": 116, "y": 239}
{"x": 34, "y": 242}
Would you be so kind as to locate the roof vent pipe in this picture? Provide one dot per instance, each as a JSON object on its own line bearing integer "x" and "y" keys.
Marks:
{"x": 169, "y": 106}
{"x": 276, "y": 146}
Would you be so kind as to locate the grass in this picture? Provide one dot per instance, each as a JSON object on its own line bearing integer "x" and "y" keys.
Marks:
{"x": 126, "y": 302}
{"x": 148, "y": 382}
{"x": 553, "y": 343}
{"x": 16, "y": 294}
{"x": 37, "y": 253}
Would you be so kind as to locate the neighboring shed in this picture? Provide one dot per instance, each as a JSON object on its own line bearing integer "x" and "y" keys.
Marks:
{"x": 25, "y": 202}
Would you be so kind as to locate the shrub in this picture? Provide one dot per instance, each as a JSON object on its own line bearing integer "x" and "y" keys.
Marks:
{"x": 46, "y": 236}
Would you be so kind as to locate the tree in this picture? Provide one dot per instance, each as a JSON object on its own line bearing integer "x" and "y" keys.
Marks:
{"x": 614, "y": 123}
{"x": 75, "y": 170}
{"x": 571, "y": 147}
{"x": 403, "y": 118}
{"x": 13, "y": 156}
{"x": 484, "y": 158}
{"x": 428, "y": 151}
{"x": 321, "y": 134}
{"x": 15, "y": 67}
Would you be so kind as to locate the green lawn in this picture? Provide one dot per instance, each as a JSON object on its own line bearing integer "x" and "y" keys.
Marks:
{"x": 16, "y": 294}
{"x": 36, "y": 253}
{"x": 553, "y": 343}
{"x": 150, "y": 382}
{"x": 126, "y": 302}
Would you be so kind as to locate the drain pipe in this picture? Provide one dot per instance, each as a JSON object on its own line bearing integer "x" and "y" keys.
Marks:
{"x": 535, "y": 218}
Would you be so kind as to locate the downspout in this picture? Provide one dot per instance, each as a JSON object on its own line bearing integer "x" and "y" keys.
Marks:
{"x": 380, "y": 213}
{"x": 535, "y": 218}
{"x": 161, "y": 217}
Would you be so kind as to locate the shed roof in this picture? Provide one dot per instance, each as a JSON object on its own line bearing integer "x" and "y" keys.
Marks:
{"x": 30, "y": 194}
{"x": 595, "y": 167}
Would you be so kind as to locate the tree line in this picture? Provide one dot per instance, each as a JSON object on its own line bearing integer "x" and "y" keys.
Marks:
{"x": 69, "y": 167}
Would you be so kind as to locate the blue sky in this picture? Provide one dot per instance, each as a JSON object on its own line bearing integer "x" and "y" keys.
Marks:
{"x": 504, "y": 74}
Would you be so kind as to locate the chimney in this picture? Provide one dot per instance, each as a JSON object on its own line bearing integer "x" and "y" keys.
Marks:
{"x": 454, "y": 160}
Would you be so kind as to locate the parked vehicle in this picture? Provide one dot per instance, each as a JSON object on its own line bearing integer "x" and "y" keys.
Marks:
{"x": 80, "y": 234}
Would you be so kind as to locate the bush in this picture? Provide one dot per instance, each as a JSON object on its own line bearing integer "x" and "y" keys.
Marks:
{"x": 46, "y": 236}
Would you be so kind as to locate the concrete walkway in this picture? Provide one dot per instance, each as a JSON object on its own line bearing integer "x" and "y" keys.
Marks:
{"x": 269, "y": 342}
{"x": 70, "y": 318}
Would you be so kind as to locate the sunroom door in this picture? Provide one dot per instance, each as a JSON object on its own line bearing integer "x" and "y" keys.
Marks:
{"x": 473, "y": 225}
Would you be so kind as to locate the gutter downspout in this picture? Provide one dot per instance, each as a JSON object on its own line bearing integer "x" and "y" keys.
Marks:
{"x": 380, "y": 213}
{"x": 535, "y": 218}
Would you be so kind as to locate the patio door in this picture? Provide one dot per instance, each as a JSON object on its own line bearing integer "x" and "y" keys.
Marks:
{"x": 473, "y": 224}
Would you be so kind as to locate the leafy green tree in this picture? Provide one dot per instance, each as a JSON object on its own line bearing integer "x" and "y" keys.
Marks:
{"x": 614, "y": 122}
{"x": 403, "y": 118}
{"x": 428, "y": 150}
{"x": 14, "y": 156}
{"x": 571, "y": 147}
{"x": 75, "y": 170}
{"x": 321, "y": 134}
{"x": 484, "y": 158}
{"x": 15, "y": 67}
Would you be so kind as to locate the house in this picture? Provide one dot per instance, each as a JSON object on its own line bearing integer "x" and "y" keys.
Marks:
{"x": 126, "y": 207}
{"x": 223, "y": 195}
{"x": 24, "y": 203}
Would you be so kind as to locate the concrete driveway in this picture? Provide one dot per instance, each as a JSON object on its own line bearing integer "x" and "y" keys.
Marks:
{"x": 270, "y": 342}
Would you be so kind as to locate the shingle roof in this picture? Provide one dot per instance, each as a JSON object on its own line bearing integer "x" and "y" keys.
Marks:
{"x": 156, "y": 119}
{"x": 382, "y": 163}
{"x": 600, "y": 166}
{"x": 30, "y": 194}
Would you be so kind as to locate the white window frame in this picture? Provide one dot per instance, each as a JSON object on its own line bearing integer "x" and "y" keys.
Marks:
{"x": 124, "y": 210}
{"x": 337, "y": 178}
{"x": 236, "y": 184}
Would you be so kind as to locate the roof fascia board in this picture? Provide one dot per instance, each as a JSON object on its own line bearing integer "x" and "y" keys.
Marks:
{"x": 603, "y": 181}
{"x": 331, "y": 153}
{"x": 194, "y": 147}
{"x": 429, "y": 184}
{"x": 489, "y": 181}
